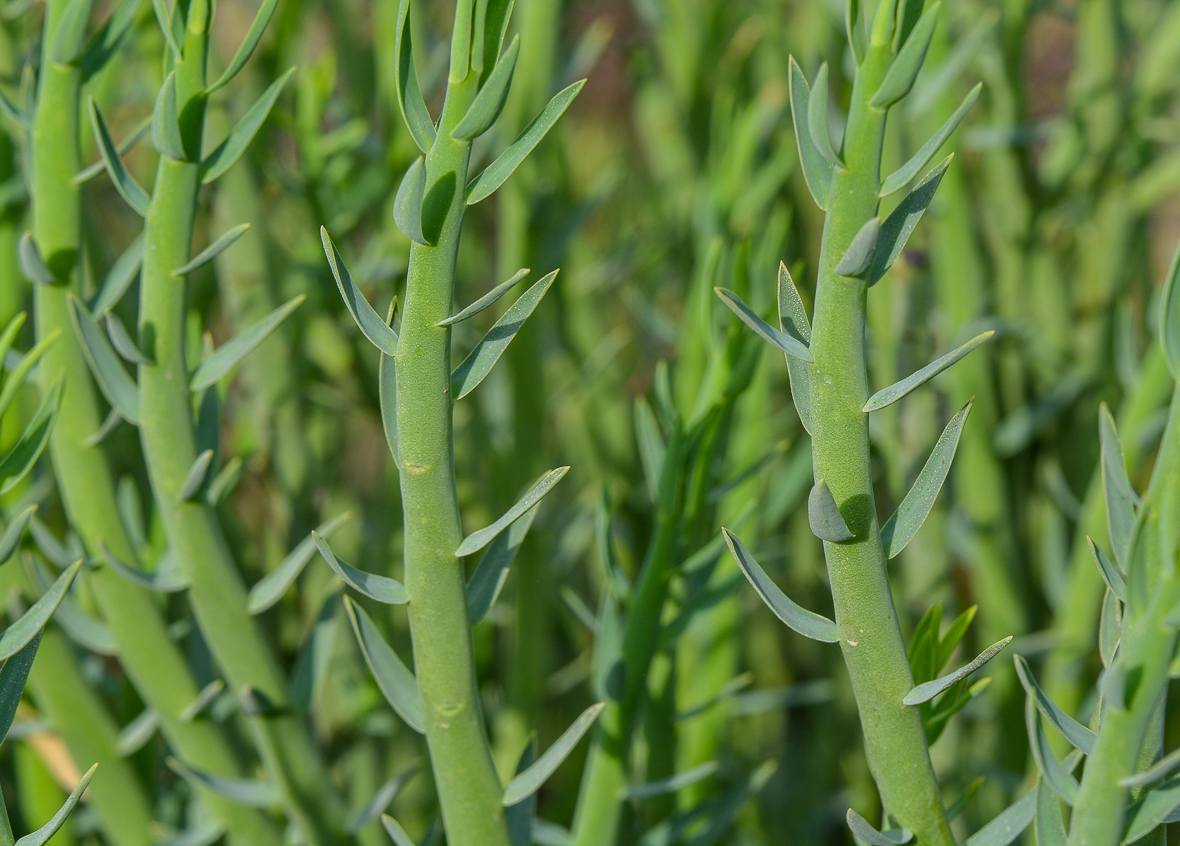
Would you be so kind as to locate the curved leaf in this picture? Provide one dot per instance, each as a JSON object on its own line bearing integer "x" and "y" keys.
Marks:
{"x": 780, "y": 340}
{"x": 14, "y": 531}
{"x": 525, "y": 784}
{"x": 229, "y": 354}
{"x": 13, "y": 676}
{"x": 898, "y": 179}
{"x": 859, "y": 257}
{"x": 486, "y": 300}
{"x": 31, "y": 263}
{"x": 33, "y": 440}
{"x": 396, "y": 682}
{"x": 112, "y": 379}
{"x": 213, "y": 250}
{"x": 492, "y": 571}
{"x": 1052, "y": 770}
{"x": 42, "y": 835}
{"x": 817, "y": 118}
{"x": 1111, "y": 574}
{"x": 249, "y": 43}
{"x": 248, "y": 792}
{"x": 17, "y": 636}
{"x": 127, "y": 187}
{"x": 792, "y": 320}
{"x": 228, "y": 151}
{"x": 1073, "y": 731}
{"x": 166, "y": 123}
{"x": 928, "y": 690}
{"x": 488, "y": 104}
{"x": 271, "y": 587}
{"x": 478, "y": 540}
{"x": 863, "y": 831}
{"x": 898, "y": 227}
{"x": 817, "y": 171}
{"x": 166, "y": 578}
{"x": 827, "y": 523}
{"x": 888, "y": 396}
{"x": 380, "y": 588}
{"x": 908, "y": 62}
{"x": 369, "y": 321}
{"x": 1008, "y": 825}
{"x": 407, "y": 204}
{"x": 1170, "y": 316}
{"x": 405, "y": 80}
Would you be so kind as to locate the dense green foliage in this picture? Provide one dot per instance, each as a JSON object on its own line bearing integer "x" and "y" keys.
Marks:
{"x": 639, "y": 423}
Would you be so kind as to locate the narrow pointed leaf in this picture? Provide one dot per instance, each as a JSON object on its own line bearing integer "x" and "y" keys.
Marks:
{"x": 799, "y": 619}
{"x": 395, "y": 831}
{"x": 407, "y": 205}
{"x": 486, "y": 300}
{"x": 135, "y": 735}
{"x": 230, "y": 354}
{"x": 1120, "y": 496}
{"x": 166, "y": 578}
{"x": 525, "y": 784}
{"x": 672, "y": 784}
{"x": 396, "y": 682}
{"x": 776, "y": 338}
{"x": 14, "y": 531}
{"x": 136, "y": 135}
{"x": 1050, "y": 828}
{"x": 213, "y": 250}
{"x": 197, "y": 473}
{"x": 890, "y": 395}
{"x": 166, "y": 123}
{"x": 928, "y": 690}
{"x": 119, "y": 278}
{"x": 817, "y": 171}
{"x": 409, "y": 95}
{"x": 387, "y": 399}
{"x": 1112, "y": 683}
{"x": 248, "y": 792}
{"x": 18, "y": 375}
{"x": 1110, "y": 627}
{"x": 69, "y": 39}
{"x": 904, "y": 70}
{"x": 128, "y": 188}
{"x": 249, "y": 43}
{"x": 315, "y": 658}
{"x": 519, "y": 817}
{"x": 374, "y": 328}
{"x": 478, "y": 540}
{"x": 8, "y": 336}
{"x": 373, "y": 809}
{"x": 1111, "y": 574}
{"x": 164, "y": 19}
{"x": 792, "y": 320}
{"x": 492, "y": 571}
{"x": 488, "y": 104}
{"x": 487, "y": 352}
{"x": 1164, "y": 768}
{"x": 205, "y": 697}
{"x": 15, "y": 113}
{"x": 42, "y": 835}
{"x": 1073, "y": 731}
{"x": 1008, "y": 825}
{"x": 17, "y": 636}
{"x": 31, "y": 263}
{"x": 380, "y": 588}
{"x": 228, "y": 151}
{"x": 1152, "y": 810}
{"x": 1170, "y": 316}
{"x": 1052, "y": 770}
{"x": 274, "y": 584}
{"x": 122, "y": 342}
{"x": 898, "y": 227}
{"x": 859, "y": 258}
{"x": 20, "y": 459}
{"x": 854, "y": 28}
{"x": 899, "y": 178}
{"x": 495, "y": 174}
{"x": 863, "y": 831}
{"x": 13, "y": 676}
{"x": 900, "y": 529}
{"x": 817, "y": 118}
{"x": 827, "y": 523}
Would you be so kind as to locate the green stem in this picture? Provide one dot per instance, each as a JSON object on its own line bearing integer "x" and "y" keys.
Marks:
{"x": 871, "y": 640}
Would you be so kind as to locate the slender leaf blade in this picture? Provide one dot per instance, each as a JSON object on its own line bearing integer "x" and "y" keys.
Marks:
{"x": 525, "y": 784}
{"x": 479, "y": 539}
{"x": 378, "y": 331}
{"x": 928, "y": 690}
{"x": 817, "y": 171}
{"x": 409, "y": 95}
{"x": 489, "y": 576}
{"x": 42, "y": 835}
{"x": 792, "y": 320}
{"x": 379, "y": 588}
{"x": 488, "y": 104}
{"x": 778, "y": 339}
{"x": 407, "y": 204}
{"x": 899, "y": 80}
{"x": 863, "y": 831}
{"x": 231, "y": 353}
{"x": 1073, "y": 731}
{"x": 271, "y": 587}
{"x": 13, "y": 676}
{"x": 249, "y": 43}
{"x": 17, "y": 636}
{"x": 486, "y": 300}
{"x": 166, "y": 122}
{"x": 396, "y": 682}
{"x": 1008, "y": 824}
{"x": 899, "y": 178}
{"x": 112, "y": 379}
{"x": 859, "y": 256}
{"x": 213, "y": 250}
{"x": 900, "y": 224}
{"x": 125, "y": 184}
{"x": 888, "y": 396}
{"x": 228, "y": 151}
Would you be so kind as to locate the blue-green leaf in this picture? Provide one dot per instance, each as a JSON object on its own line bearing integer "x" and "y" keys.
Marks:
{"x": 248, "y": 792}
{"x": 1152, "y": 810}
{"x": 17, "y": 636}
{"x": 213, "y": 250}
{"x": 898, "y": 227}
{"x": 14, "y": 531}
{"x": 799, "y": 619}
{"x": 495, "y": 174}
{"x": 136, "y": 135}
{"x": 1110, "y": 627}
{"x": 487, "y": 352}
{"x": 396, "y": 682}
{"x": 890, "y": 395}
{"x": 525, "y": 784}
{"x": 135, "y": 735}
{"x": 31, "y": 263}
{"x": 1051, "y": 769}
{"x": 228, "y": 151}
{"x": 1073, "y": 731}
{"x": 1050, "y": 828}
{"x": 915, "y": 507}
{"x": 486, "y": 300}
{"x": 166, "y": 123}
{"x": 69, "y": 39}
{"x": 1157, "y": 772}
{"x": 904, "y": 70}
{"x": 899, "y": 178}
{"x": 105, "y": 43}
{"x": 13, "y": 676}
{"x": 928, "y": 690}
{"x": 1170, "y": 316}
{"x": 119, "y": 277}
{"x": 519, "y": 817}
{"x": 672, "y": 784}
{"x": 827, "y": 523}
{"x": 112, "y": 379}
{"x": 42, "y": 835}
{"x": 122, "y": 342}
{"x": 249, "y": 43}
{"x": 195, "y": 479}
{"x": 271, "y": 587}
{"x": 127, "y": 187}
{"x": 817, "y": 118}
{"x": 1008, "y": 825}
{"x": 385, "y": 794}
{"x": 387, "y": 399}
{"x": 492, "y": 571}
{"x": 780, "y": 340}
{"x": 405, "y": 80}
{"x": 229, "y": 354}
{"x": 407, "y": 204}
{"x": 14, "y": 113}
{"x": 18, "y": 375}
{"x": 1121, "y": 499}
{"x": 380, "y": 588}
{"x": 863, "y": 831}
{"x": 204, "y": 698}
{"x": 33, "y": 439}
{"x": 164, "y": 19}
{"x": 395, "y": 831}
{"x": 817, "y": 171}
{"x": 1111, "y": 574}
{"x": 166, "y": 578}
{"x": 792, "y": 320}
{"x": 859, "y": 257}
{"x": 378, "y": 331}
{"x": 488, "y": 104}
{"x": 478, "y": 540}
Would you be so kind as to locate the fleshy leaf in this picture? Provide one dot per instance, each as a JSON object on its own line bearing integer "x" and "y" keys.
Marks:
{"x": 69, "y": 39}
{"x": 672, "y": 784}
{"x": 519, "y": 817}
{"x": 405, "y": 80}
{"x": 166, "y": 123}
{"x": 478, "y": 540}
{"x": 792, "y": 320}
{"x": 817, "y": 118}
{"x": 395, "y": 831}
{"x": 166, "y": 578}
{"x": 367, "y": 319}
{"x": 1152, "y": 810}
{"x": 204, "y": 698}
{"x": 164, "y": 19}
{"x": 122, "y": 342}
{"x": 213, "y": 250}
{"x": 1073, "y": 731}
{"x": 248, "y": 792}
{"x": 227, "y": 152}
{"x": 817, "y": 171}
{"x": 119, "y": 278}
{"x": 135, "y": 735}
{"x": 904, "y": 70}
{"x": 495, "y": 174}
{"x": 1008, "y": 824}
{"x": 274, "y": 584}
{"x": 778, "y": 339}
{"x": 1157, "y": 772}
{"x": 888, "y": 396}
{"x": 898, "y": 227}
{"x": 42, "y": 835}
{"x": 799, "y": 619}
{"x": 490, "y": 574}
{"x": 525, "y": 784}
{"x": 1170, "y": 316}
{"x": 385, "y": 794}
{"x": 863, "y": 831}
{"x": 387, "y": 399}
{"x": 488, "y": 104}
{"x": 1110, "y": 627}
{"x": 1111, "y": 574}
{"x": 487, "y": 352}
{"x": 900, "y": 529}
{"x": 17, "y": 636}
{"x": 407, "y": 204}
{"x": 112, "y": 379}
{"x": 486, "y": 300}
{"x": 229, "y": 354}
{"x": 928, "y": 690}
{"x": 859, "y": 257}
{"x": 31, "y": 263}
{"x": 1121, "y": 498}
{"x": 899, "y": 178}
{"x": 13, "y": 533}
{"x": 136, "y": 135}
{"x": 380, "y": 588}
{"x": 1052, "y": 770}
{"x": 249, "y": 43}
{"x": 195, "y": 479}
{"x": 33, "y": 439}
{"x": 1050, "y": 828}
{"x": 17, "y": 376}
{"x": 396, "y": 682}
{"x": 127, "y": 187}
{"x": 827, "y": 523}
{"x": 13, "y": 676}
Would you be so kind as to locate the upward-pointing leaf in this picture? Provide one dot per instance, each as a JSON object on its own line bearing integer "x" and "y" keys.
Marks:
{"x": 859, "y": 257}
{"x": 488, "y": 578}
{"x": 13, "y": 676}
{"x": 1157, "y": 772}
{"x": 491, "y": 98}
{"x": 1152, "y": 810}
{"x": 17, "y": 636}
{"x": 861, "y": 829}
{"x": 1121, "y": 498}
{"x": 407, "y": 204}
{"x": 1073, "y": 731}
{"x": 792, "y": 320}
{"x": 487, "y": 352}
{"x": 817, "y": 171}
{"x": 799, "y": 619}
{"x": 890, "y": 395}
{"x": 478, "y": 540}
{"x": 1052, "y": 770}
{"x": 405, "y": 80}
{"x": 274, "y": 584}
{"x": 374, "y": 328}
{"x": 134, "y": 137}
{"x": 119, "y": 278}
{"x": 928, "y": 690}
{"x": 381, "y": 588}
{"x": 164, "y": 19}
{"x": 1111, "y": 574}
{"x": 396, "y": 682}
{"x": 16, "y": 378}
{"x": 253, "y": 36}
{"x": 898, "y": 179}
{"x": 31, "y": 263}
{"x": 817, "y": 118}
{"x": 1170, "y": 316}
{"x": 387, "y": 399}
{"x": 229, "y": 354}
{"x": 165, "y": 123}
{"x": 213, "y": 250}
{"x": 776, "y": 338}
{"x": 127, "y": 187}
{"x": 112, "y": 379}
{"x": 227, "y": 152}
{"x": 248, "y": 792}
{"x": 122, "y": 342}
{"x": 14, "y": 531}
{"x": 904, "y": 70}
{"x": 525, "y": 784}
{"x": 69, "y": 39}
{"x": 827, "y": 523}
{"x": 42, "y": 835}
{"x": 1008, "y": 825}
{"x": 486, "y": 300}
{"x": 495, "y": 174}
{"x": 1050, "y": 828}
{"x": 911, "y": 514}
{"x": 897, "y": 228}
